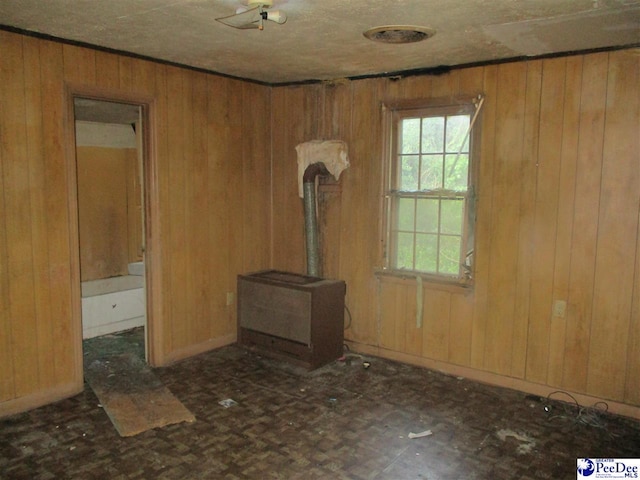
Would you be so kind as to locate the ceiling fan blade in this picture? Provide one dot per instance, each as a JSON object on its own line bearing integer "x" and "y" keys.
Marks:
{"x": 244, "y": 20}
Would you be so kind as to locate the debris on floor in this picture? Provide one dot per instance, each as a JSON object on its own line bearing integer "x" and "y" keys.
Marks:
{"x": 228, "y": 402}
{"x": 426, "y": 433}
{"x": 527, "y": 442}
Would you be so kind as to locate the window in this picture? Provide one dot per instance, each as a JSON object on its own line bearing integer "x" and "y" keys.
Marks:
{"x": 430, "y": 190}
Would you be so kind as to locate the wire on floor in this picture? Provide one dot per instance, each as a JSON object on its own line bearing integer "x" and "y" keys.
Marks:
{"x": 349, "y": 315}
{"x": 592, "y": 416}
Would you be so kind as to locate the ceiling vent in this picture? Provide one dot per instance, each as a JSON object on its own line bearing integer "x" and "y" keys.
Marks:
{"x": 397, "y": 34}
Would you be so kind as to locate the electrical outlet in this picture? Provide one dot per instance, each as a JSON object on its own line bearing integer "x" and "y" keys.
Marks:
{"x": 559, "y": 308}
{"x": 230, "y": 298}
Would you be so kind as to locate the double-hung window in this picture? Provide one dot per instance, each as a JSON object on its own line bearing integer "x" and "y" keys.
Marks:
{"x": 430, "y": 191}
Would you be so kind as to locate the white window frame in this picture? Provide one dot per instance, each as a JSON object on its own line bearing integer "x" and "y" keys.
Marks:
{"x": 393, "y": 114}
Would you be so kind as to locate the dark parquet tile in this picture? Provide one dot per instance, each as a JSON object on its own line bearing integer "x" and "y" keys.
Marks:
{"x": 339, "y": 422}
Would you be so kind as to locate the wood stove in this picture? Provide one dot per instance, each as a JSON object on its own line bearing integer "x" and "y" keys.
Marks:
{"x": 290, "y": 316}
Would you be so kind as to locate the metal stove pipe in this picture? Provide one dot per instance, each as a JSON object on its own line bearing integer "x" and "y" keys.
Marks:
{"x": 310, "y": 217}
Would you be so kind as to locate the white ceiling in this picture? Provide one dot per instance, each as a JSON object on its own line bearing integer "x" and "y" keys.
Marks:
{"x": 323, "y": 39}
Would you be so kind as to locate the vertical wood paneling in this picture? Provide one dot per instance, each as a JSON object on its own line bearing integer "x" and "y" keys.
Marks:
{"x": 566, "y": 210}
{"x": 361, "y": 190}
{"x": 527, "y": 203}
{"x": 107, "y": 70}
{"x": 484, "y": 206}
{"x": 546, "y": 213}
{"x": 390, "y": 314}
{"x": 508, "y": 137}
{"x": 336, "y": 115}
{"x": 585, "y": 221}
{"x": 198, "y": 280}
{"x": 256, "y": 117}
{"x": 143, "y": 77}
{"x": 617, "y": 230}
{"x": 134, "y": 207}
{"x": 413, "y": 333}
{"x": 632, "y": 390}
{"x": 18, "y": 219}
{"x": 224, "y": 196}
{"x": 79, "y": 65}
{"x": 178, "y": 134}
{"x": 102, "y": 211}
{"x": 125, "y": 73}
{"x": 57, "y": 210}
{"x": 538, "y": 188}
{"x": 436, "y": 316}
{"x": 164, "y": 180}
{"x": 7, "y": 378}
{"x": 461, "y": 325}
{"x": 190, "y": 298}
{"x": 39, "y": 318}
{"x": 234, "y": 182}
{"x": 37, "y": 189}
{"x": 226, "y": 160}
{"x": 288, "y": 212}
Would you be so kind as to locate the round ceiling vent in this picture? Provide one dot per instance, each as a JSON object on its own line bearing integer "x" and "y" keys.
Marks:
{"x": 399, "y": 34}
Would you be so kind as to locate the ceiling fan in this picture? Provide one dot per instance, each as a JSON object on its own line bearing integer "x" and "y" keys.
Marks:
{"x": 254, "y": 15}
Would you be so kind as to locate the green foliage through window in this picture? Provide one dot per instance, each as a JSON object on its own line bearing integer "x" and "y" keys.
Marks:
{"x": 429, "y": 192}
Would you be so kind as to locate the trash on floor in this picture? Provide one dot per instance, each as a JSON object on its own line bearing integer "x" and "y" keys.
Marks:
{"x": 426, "y": 433}
{"x": 228, "y": 402}
{"x": 527, "y": 442}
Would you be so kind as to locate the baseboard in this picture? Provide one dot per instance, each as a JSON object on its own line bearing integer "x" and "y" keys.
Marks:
{"x": 481, "y": 376}
{"x": 35, "y": 400}
{"x": 197, "y": 349}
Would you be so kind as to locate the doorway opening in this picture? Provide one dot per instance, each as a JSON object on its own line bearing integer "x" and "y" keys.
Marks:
{"x": 109, "y": 150}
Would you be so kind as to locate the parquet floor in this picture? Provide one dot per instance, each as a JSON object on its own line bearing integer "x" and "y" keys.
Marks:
{"x": 339, "y": 422}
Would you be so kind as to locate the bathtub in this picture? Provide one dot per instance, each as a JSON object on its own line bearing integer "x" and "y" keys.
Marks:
{"x": 113, "y": 304}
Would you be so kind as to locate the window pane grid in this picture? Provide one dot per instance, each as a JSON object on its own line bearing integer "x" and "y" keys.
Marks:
{"x": 427, "y": 230}
{"x": 440, "y": 233}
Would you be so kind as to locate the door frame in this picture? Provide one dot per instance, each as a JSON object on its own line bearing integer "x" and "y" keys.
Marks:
{"x": 150, "y": 185}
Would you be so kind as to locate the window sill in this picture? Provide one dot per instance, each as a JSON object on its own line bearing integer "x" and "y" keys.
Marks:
{"x": 429, "y": 281}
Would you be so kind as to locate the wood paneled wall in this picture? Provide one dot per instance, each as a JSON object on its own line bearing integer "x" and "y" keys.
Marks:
{"x": 558, "y": 216}
{"x": 109, "y": 220}
{"x": 558, "y": 210}
{"x": 208, "y": 176}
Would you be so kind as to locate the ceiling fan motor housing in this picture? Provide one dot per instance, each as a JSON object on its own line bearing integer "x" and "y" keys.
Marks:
{"x": 261, "y": 3}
